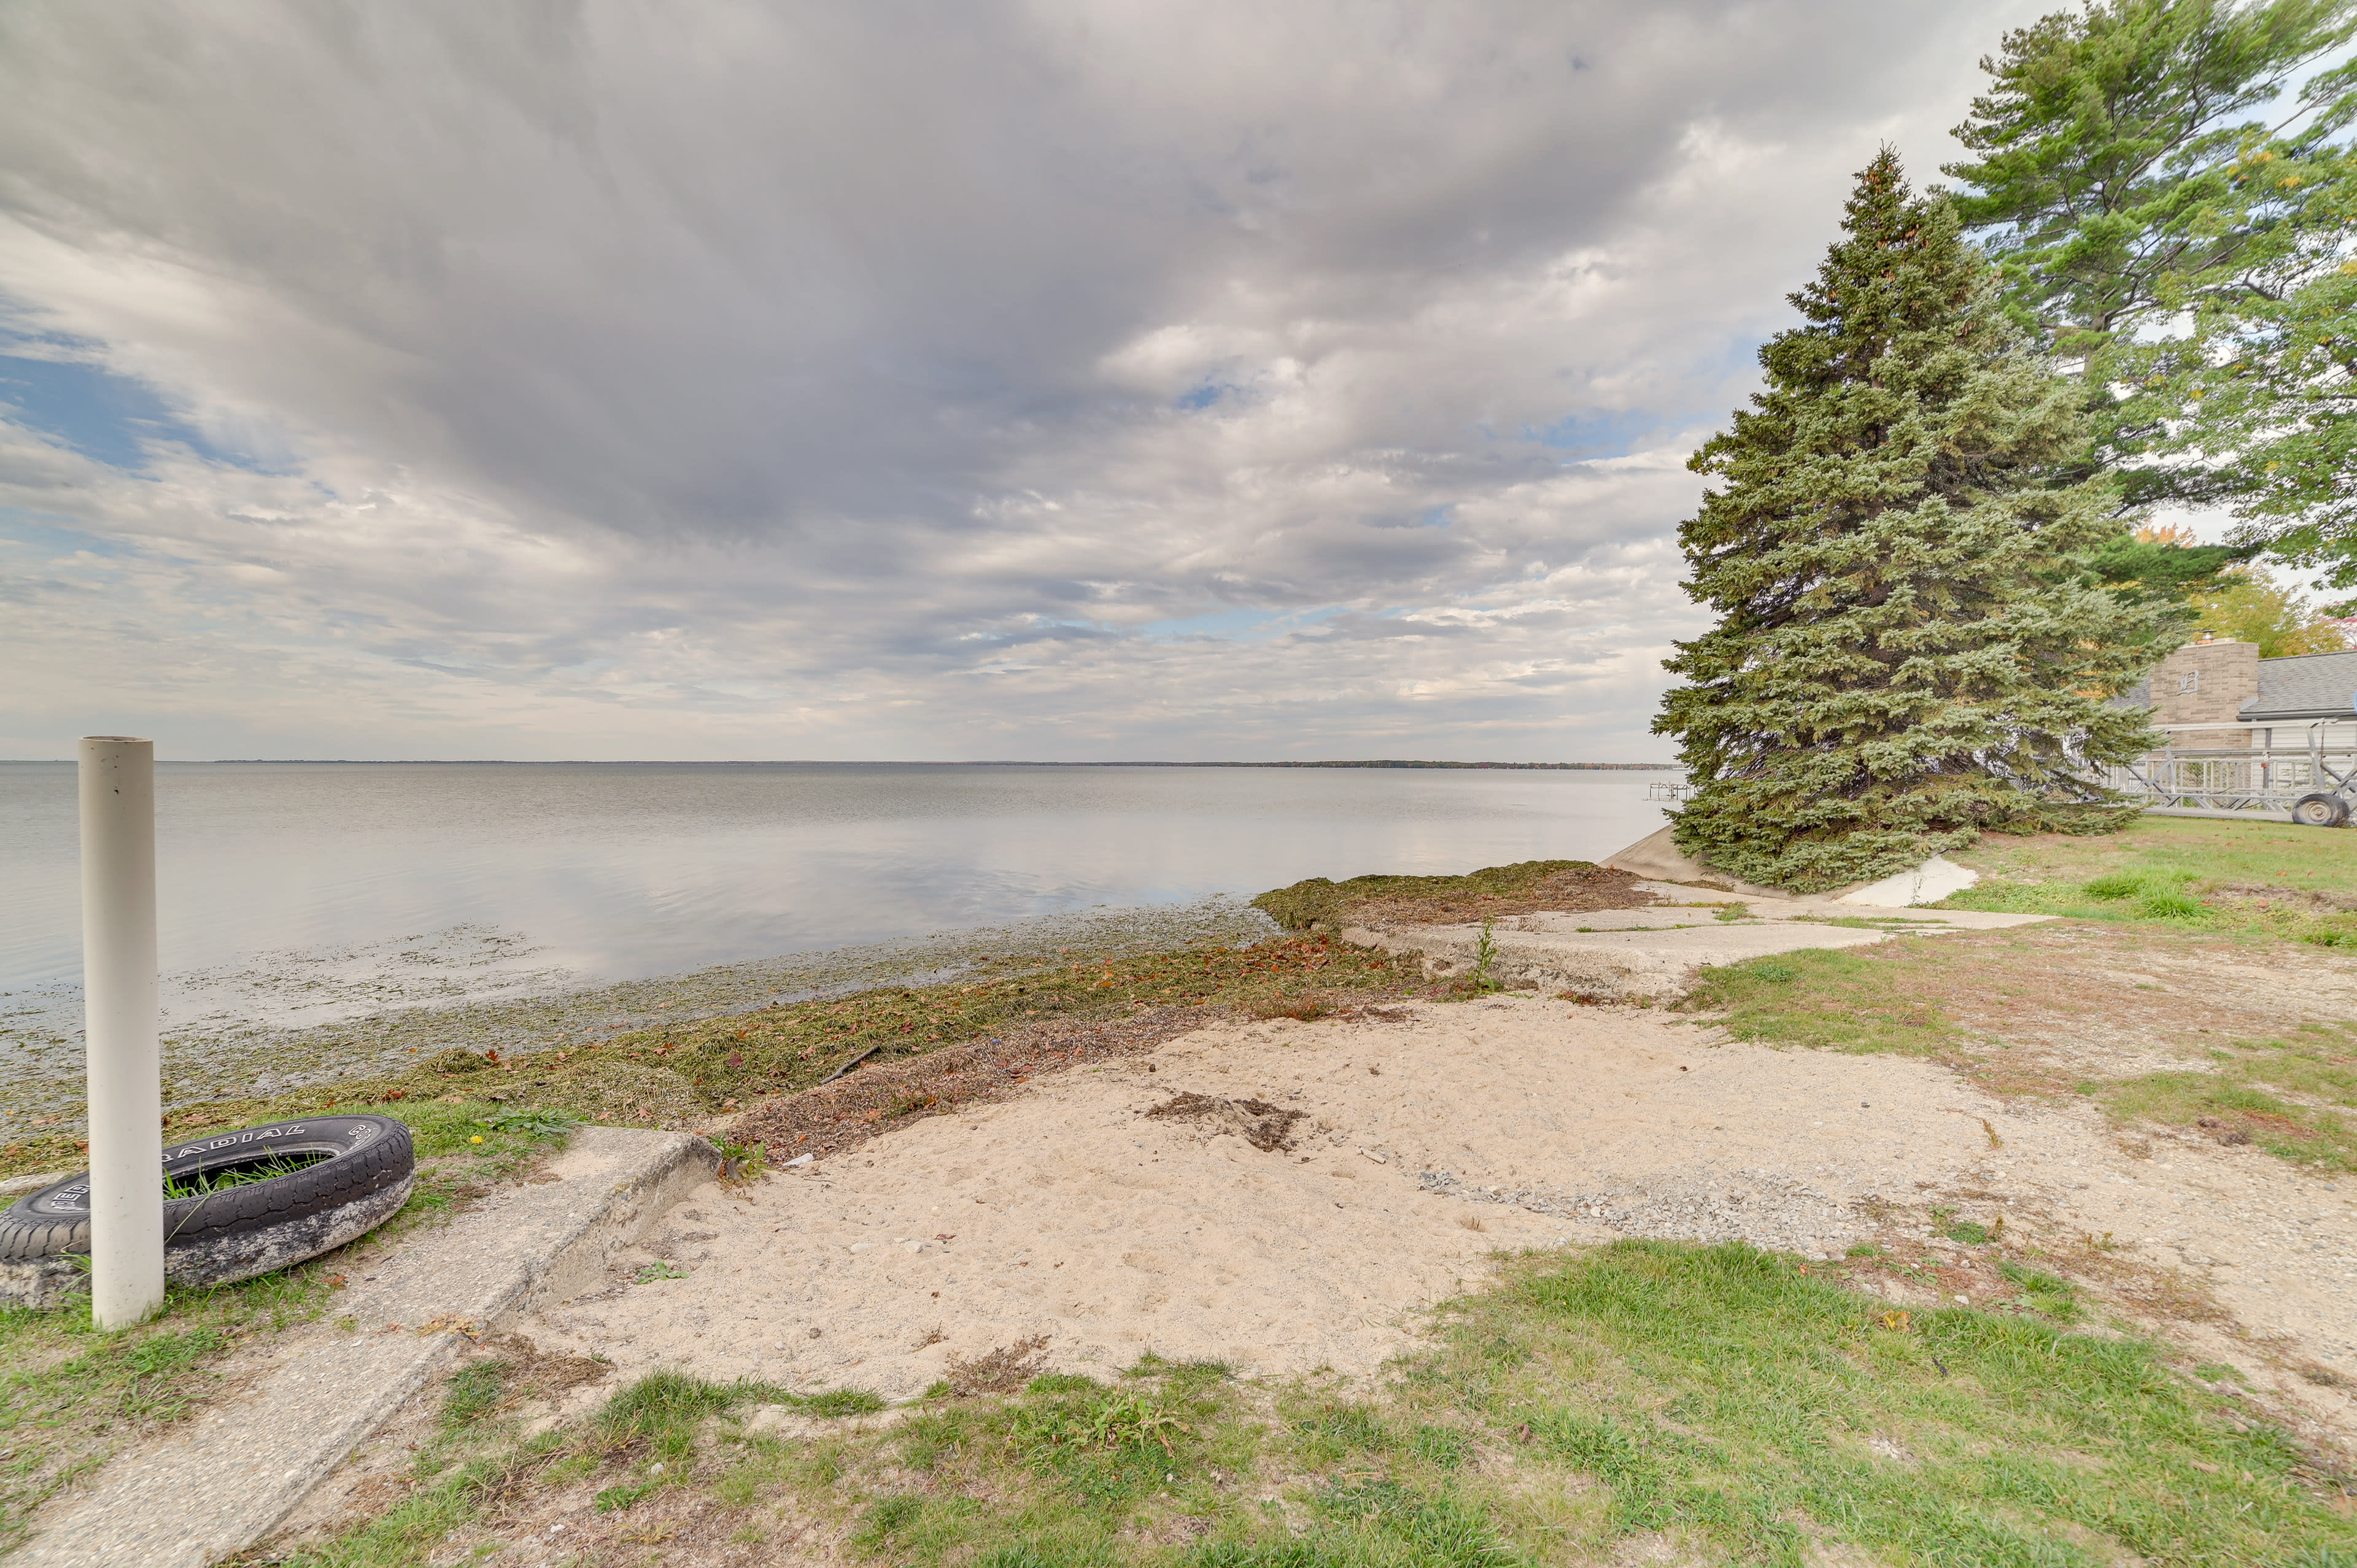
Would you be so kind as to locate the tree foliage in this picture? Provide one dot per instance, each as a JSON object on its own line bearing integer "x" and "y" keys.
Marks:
{"x": 2113, "y": 144}
{"x": 1908, "y": 649}
{"x": 2163, "y": 564}
{"x": 2158, "y": 212}
{"x": 2249, "y": 604}
{"x": 2260, "y": 392}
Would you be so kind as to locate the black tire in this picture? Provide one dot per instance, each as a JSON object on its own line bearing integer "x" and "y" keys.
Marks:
{"x": 368, "y": 1159}
{"x": 2320, "y": 810}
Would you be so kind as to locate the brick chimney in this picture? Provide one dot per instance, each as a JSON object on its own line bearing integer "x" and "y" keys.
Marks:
{"x": 2204, "y": 681}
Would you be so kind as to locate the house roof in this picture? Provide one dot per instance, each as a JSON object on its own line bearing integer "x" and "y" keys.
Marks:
{"x": 2304, "y": 686}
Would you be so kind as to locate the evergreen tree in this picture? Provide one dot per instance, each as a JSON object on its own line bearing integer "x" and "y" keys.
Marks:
{"x": 2145, "y": 163}
{"x": 1908, "y": 649}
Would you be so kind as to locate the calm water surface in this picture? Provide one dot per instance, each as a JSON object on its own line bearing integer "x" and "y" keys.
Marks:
{"x": 294, "y": 893}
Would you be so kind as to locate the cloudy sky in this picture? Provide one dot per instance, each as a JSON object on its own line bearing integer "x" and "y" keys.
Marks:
{"x": 730, "y": 379}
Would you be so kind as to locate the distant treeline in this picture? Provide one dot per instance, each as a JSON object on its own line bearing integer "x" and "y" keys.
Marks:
{"x": 1557, "y": 767}
{"x": 1004, "y": 762}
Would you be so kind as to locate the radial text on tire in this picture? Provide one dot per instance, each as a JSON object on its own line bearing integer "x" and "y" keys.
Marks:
{"x": 361, "y": 1171}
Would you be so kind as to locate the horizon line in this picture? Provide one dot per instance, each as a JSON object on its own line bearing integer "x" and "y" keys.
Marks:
{"x": 856, "y": 762}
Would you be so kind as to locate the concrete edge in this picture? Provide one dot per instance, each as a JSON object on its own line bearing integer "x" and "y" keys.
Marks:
{"x": 579, "y": 1256}
{"x": 235, "y": 1473}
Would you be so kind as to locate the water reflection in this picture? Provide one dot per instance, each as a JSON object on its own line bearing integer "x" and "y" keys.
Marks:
{"x": 294, "y": 892}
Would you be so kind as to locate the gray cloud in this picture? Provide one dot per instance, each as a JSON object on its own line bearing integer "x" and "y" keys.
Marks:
{"x": 1049, "y": 380}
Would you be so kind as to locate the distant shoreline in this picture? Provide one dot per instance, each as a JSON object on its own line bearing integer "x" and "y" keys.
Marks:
{"x": 882, "y": 762}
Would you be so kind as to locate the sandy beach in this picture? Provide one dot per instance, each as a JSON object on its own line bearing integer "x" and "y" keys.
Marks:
{"x": 1415, "y": 1148}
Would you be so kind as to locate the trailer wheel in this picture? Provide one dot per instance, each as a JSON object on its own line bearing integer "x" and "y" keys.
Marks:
{"x": 2320, "y": 810}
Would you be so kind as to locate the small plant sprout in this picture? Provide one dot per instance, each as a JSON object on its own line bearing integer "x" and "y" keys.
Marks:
{"x": 742, "y": 1164}
{"x": 659, "y": 1271}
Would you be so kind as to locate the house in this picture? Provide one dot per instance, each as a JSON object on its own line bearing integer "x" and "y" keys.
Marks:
{"x": 2218, "y": 680}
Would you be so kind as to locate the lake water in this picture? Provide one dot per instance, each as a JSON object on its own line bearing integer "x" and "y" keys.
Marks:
{"x": 294, "y": 894}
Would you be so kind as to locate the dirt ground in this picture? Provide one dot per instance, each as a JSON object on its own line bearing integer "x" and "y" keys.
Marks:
{"x": 1388, "y": 1157}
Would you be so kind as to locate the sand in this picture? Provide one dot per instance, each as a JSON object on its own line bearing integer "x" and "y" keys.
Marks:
{"x": 1072, "y": 1214}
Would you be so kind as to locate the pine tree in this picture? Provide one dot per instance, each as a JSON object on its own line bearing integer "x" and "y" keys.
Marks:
{"x": 1908, "y": 651}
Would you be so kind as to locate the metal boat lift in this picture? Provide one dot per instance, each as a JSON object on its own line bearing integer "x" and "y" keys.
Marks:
{"x": 2308, "y": 771}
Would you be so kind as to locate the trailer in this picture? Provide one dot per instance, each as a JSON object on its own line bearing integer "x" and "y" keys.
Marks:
{"x": 2308, "y": 771}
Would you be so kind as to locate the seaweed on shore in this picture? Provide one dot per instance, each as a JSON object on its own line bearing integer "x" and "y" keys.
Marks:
{"x": 1525, "y": 887}
{"x": 686, "y": 1073}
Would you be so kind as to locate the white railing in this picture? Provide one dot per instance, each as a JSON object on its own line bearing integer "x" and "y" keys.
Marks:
{"x": 2258, "y": 768}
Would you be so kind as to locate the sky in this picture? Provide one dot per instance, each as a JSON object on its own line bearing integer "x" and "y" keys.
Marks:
{"x": 1056, "y": 381}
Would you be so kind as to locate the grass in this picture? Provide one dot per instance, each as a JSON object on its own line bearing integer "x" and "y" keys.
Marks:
{"x": 222, "y": 1177}
{"x": 1843, "y": 999}
{"x": 682, "y": 1074}
{"x": 1711, "y": 1405}
{"x": 2177, "y": 893}
{"x": 2245, "y": 1093}
{"x": 2290, "y": 1095}
{"x": 71, "y": 1394}
{"x": 2245, "y": 879}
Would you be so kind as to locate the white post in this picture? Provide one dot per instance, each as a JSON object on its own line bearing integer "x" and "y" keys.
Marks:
{"x": 125, "y": 1065}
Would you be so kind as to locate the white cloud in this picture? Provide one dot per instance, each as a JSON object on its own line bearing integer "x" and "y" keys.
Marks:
{"x": 1076, "y": 379}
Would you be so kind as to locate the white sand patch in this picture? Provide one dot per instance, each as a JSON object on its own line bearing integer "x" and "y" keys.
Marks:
{"x": 1072, "y": 1214}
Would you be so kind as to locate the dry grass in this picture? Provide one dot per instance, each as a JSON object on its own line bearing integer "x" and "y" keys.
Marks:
{"x": 1004, "y": 1370}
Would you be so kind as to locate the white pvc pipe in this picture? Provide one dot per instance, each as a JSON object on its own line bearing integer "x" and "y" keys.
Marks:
{"x": 126, "y": 1087}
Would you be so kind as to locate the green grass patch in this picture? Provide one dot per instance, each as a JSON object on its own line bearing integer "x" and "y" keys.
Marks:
{"x": 1724, "y": 1399}
{"x": 2256, "y": 878}
{"x": 1826, "y": 999}
{"x": 71, "y": 1394}
{"x": 2289, "y": 1097}
{"x": 245, "y": 1174}
{"x": 1715, "y": 1404}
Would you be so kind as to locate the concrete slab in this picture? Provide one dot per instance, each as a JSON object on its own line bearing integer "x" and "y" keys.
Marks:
{"x": 1926, "y": 884}
{"x": 1657, "y": 856}
{"x": 221, "y": 1482}
{"x": 1652, "y": 953}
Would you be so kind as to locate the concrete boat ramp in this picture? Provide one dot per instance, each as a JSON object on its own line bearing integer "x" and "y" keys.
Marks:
{"x": 1651, "y": 954}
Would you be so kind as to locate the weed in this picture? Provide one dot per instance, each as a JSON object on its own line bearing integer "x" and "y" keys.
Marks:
{"x": 2050, "y": 1294}
{"x": 741, "y": 1163}
{"x": 222, "y": 1179}
{"x": 1319, "y": 904}
{"x": 1485, "y": 957}
{"x": 1053, "y": 1429}
{"x": 661, "y": 1268}
{"x": 678, "y": 1075}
